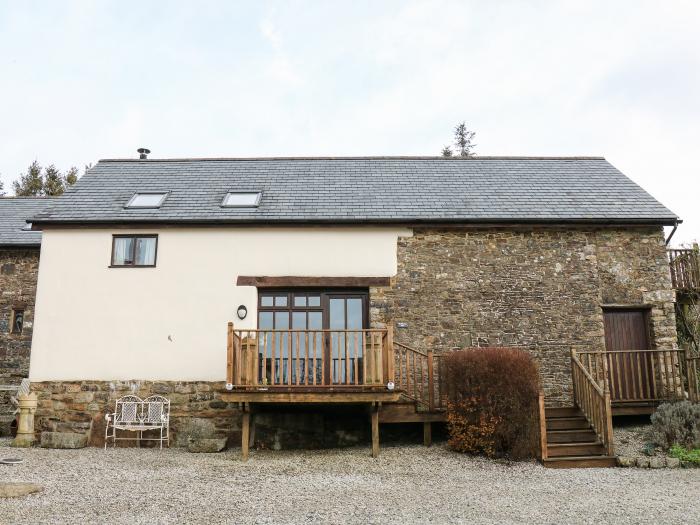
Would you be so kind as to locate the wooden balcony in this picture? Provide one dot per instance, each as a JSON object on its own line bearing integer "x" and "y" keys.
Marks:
{"x": 685, "y": 269}
{"x": 363, "y": 367}
{"x": 638, "y": 380}
{"x": 329, "y": 366}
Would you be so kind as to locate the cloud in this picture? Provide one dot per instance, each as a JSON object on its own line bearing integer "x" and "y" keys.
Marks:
{"x": 336, "y": 78}
{"x": 270, "y": 32}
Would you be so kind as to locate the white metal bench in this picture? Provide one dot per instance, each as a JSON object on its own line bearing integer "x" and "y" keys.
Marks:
{"x": 139, "y": 415}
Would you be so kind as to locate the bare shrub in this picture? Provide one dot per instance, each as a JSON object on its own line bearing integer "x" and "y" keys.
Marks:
{"x": 492, "y": 402}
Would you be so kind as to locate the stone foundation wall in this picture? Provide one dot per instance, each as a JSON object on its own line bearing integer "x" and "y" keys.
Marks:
{"x": 80, "y": 406}
{"x": 19, "y": 269}
{"x": 539, "y": 289}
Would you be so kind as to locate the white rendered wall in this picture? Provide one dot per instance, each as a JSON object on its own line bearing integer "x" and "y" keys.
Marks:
{"x": 169, "y": 322}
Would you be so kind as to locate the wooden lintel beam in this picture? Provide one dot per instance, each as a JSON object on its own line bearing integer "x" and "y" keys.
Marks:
{"x": 316, "y": 282}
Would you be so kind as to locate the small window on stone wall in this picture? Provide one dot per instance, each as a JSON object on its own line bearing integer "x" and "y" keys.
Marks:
{"x": 17, "y": 321}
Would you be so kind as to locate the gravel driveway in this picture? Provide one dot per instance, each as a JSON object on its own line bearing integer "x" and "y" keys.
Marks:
{"x": 407, "y": 484}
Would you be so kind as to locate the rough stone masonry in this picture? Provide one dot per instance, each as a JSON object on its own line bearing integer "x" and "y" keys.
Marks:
{"x": 19, "y": 268}
{"x": 541, "y": 289}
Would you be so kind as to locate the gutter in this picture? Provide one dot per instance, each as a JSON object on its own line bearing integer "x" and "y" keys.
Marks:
{"x": 38, "y": 224}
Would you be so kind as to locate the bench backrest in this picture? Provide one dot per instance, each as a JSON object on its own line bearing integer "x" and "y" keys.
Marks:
{"x": 157, "y": 409}
{"x": 132, "y": 409}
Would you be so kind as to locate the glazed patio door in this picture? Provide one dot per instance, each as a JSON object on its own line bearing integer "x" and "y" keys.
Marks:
{"x": 346, "y": 313}
{"x": 338, "y": 314}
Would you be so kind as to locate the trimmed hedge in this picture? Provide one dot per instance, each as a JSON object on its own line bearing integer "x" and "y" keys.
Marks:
{"x": 492, "y": 402}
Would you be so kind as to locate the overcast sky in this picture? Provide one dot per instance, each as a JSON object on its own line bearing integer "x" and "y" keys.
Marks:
{"x": 87, "y": 80}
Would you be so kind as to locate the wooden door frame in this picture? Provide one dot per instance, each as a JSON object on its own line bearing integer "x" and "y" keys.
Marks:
{"x": 616, "y": 389}
{"x": 325, "y": 303}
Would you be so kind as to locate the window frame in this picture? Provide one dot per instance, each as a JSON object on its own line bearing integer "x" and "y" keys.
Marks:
{"x": 325, "y": 295}
{"x": 130, "y": 205}
{"x": 134, "y": 236}
{"x": 258, "y": 198}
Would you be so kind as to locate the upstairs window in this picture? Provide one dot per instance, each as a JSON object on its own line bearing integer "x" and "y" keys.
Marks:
{"x": 17, "y": 321}
{"x": 241, "y": 199}
{"x": 134, "y": 250}
{"x": 147, "y": 200}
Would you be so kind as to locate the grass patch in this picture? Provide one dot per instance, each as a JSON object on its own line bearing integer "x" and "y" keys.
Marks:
{"x": 690, "y": 455}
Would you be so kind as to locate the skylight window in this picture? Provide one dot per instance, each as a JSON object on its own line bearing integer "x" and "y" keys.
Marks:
{"x": 147, "y": 200}
{"x": 242, "y": 199}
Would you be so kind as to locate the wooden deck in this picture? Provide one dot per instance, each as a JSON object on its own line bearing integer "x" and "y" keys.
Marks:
{"x": 642, "y": 379}
{"x": 395, "y": 382}
{"x": 400, "y": 384}
{"x": 319, "y": 396}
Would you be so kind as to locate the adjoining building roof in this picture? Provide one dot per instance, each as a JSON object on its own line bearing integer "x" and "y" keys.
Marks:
{"x": 361, "y": 190}
{"x": 14, "y": 213}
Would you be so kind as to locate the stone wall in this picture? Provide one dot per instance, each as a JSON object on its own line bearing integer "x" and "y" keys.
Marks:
{"x": 19, "y": 269}
{"x": 541, "y": 289}
{"x": 80, "y": 406}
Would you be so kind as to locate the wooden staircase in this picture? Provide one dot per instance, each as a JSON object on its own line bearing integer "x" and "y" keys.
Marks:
{"x": 572, "y": 442}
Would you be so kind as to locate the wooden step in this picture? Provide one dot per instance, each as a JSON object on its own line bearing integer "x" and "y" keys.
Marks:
{"x": 581, "y": 462}
{"x": 562, "y": 412}
{"x": 568, "y": 423}
{"x": 571, "y": 436}
{"x": 591, "y": 448}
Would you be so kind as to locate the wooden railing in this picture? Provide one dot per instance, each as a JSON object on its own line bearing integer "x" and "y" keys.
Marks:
{"x": 593, "y": 400}
{"x": 309, "y": 358}
{"x": 685, "y": 268}
{"x": 644, "y": 375}
{"x": 417, "y": 375}
{"x": 543, "y": 425}
{"x": 691, "y": 372}
{"x": 296, "y": 359}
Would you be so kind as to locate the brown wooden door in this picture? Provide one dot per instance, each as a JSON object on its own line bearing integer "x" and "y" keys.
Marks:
{"x": 631, "y": 370}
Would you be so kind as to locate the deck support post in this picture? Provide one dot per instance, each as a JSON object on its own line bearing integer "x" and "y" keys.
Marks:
{"x": 245, "y": 432}
{"x": 374, "y": 417}
{"x": 427, "y": 433}
{"x": 251, "y": 440}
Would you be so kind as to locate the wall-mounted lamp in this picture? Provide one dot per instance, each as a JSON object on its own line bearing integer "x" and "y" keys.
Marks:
{"x": 242, "y": 312}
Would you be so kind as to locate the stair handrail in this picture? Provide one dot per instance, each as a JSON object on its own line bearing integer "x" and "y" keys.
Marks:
{"x": 409, "y": 362}
{"x": 593, "y": 400}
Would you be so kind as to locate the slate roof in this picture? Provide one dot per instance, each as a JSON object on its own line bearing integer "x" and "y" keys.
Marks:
{"x": 14, "y": 212}
{"x": 360, "y": 190}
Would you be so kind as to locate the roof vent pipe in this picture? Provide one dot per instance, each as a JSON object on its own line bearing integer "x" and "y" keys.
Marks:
{"x": 143, "y": 153}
